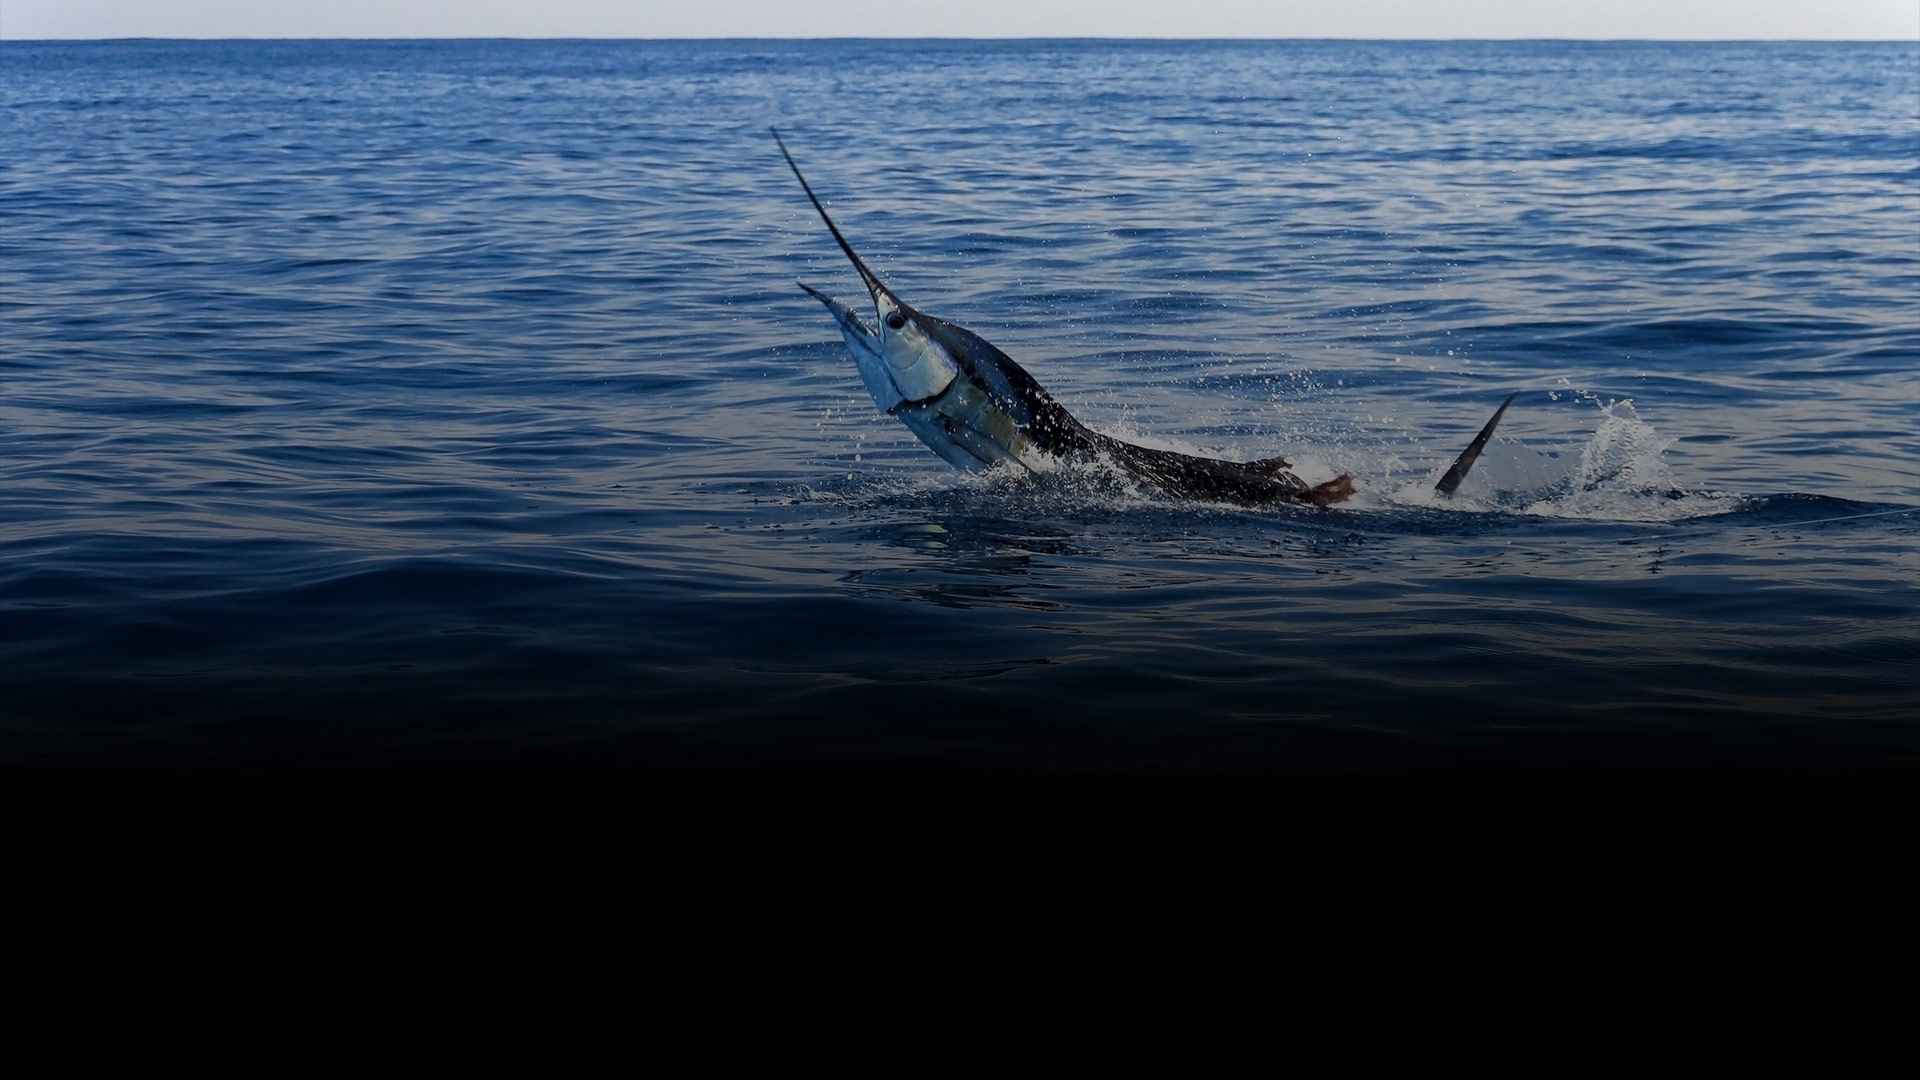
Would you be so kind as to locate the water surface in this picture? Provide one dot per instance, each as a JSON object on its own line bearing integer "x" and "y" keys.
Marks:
{"x": 453, "y": 402}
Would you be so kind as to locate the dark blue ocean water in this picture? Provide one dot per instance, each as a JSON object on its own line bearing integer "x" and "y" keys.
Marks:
{"x": 453, "y": 402}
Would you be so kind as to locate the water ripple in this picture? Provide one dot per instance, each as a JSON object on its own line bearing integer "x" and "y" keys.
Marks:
{"x": 451, "y": 401}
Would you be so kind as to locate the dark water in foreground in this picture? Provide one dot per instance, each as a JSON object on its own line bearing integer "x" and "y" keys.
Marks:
{"x": 453, "y": 402}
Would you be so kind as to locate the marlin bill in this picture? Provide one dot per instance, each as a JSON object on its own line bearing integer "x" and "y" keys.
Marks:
{"x": 972, "y": 405}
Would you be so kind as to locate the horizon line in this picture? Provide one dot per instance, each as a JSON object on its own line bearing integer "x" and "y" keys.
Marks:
{"x": 990, "y": 37}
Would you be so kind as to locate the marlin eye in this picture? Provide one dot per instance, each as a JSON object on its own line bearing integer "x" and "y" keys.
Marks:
{"x": 895, "y": 320}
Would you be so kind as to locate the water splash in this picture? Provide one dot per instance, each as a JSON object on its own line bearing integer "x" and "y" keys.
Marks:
{"x": 1621, "y": 474}
{"x": 1618, "y": 472}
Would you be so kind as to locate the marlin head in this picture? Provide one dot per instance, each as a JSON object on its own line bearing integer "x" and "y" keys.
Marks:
{"x": 863, "y": 345}
{"x": 918, "y": 366}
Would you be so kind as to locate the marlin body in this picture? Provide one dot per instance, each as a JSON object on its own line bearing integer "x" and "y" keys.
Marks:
{"x": 974, "y": 406}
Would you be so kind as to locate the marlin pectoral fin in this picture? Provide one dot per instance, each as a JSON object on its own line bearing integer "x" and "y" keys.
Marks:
{"x": 1338, "y": 489}
{"x": 1464, "y": 463}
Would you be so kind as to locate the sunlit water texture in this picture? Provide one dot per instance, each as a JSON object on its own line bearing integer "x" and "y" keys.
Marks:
{"x": 454, "y": 402}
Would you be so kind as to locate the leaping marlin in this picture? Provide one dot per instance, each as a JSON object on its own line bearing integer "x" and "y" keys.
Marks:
{"x": 976, "y": 408}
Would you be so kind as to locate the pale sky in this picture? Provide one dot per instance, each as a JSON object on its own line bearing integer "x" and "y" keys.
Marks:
{"x": 1899, "y": 19}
